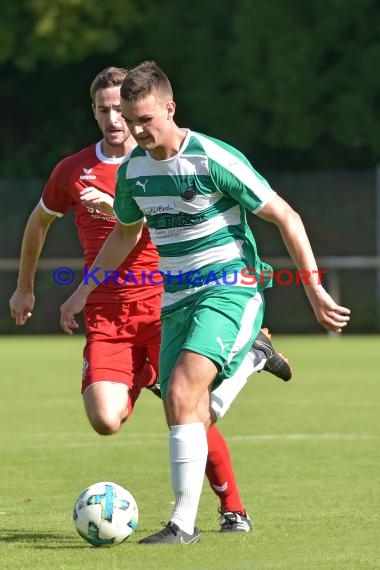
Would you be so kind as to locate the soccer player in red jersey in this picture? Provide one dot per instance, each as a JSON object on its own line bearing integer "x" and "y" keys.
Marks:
{"x": 122, "y": 317}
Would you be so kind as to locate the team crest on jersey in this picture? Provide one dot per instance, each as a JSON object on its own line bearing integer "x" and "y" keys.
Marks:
{"x": 188, "y": 191}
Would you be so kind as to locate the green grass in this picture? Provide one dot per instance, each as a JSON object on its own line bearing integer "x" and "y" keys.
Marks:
{"x": 306, "y": 455}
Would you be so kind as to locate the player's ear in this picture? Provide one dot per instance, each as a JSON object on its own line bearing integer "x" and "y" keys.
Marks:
{"x": 170, "y": 108}
{"x": 93, "y": 109}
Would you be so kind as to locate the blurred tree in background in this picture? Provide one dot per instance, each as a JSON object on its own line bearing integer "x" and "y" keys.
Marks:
{"x": 293, "y": 84}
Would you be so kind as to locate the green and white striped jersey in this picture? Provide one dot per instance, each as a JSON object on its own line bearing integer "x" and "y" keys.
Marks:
{"x": 194, "y": 204}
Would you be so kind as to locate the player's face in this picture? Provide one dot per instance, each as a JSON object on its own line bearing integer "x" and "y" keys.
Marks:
{"x": 150, "y": 123}
{"x": 108, "y": 115}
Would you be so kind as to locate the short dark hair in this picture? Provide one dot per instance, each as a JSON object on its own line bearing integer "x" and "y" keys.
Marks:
{"x": 142, "y": 80}
{"x": 109, "y": 77}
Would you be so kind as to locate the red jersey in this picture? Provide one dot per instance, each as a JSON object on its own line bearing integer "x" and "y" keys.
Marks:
{"x": 89, "y": 167}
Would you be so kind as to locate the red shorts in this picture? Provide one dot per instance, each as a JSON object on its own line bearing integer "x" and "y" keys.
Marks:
{"x": 122, "y": 344}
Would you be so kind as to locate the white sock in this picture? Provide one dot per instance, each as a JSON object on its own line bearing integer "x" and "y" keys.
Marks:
{"x": 225, "y": 394}
{"x": 188, "y": 456}
{"x": 258, "y": 359}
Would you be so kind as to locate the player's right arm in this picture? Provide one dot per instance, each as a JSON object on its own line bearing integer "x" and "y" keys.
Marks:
{"x": 114, "y": 250}
{"x": 22, "y": 301}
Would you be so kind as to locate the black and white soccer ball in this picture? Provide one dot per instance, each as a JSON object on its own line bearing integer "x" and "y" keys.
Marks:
{"x": 105, "y": 514}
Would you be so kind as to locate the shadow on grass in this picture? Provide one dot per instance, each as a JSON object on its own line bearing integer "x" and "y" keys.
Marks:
{"x": 45, "y": 540}
{"x": 39, "y": 539}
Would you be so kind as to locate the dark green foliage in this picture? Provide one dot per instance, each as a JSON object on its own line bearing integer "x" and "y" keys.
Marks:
{"x": 293, "y": 85}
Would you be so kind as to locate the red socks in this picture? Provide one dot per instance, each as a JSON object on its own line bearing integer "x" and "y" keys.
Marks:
{"x": 220, "y": 473}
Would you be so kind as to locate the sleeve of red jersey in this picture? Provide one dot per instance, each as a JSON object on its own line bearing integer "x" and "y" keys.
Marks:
{"x": 56, "y": 198}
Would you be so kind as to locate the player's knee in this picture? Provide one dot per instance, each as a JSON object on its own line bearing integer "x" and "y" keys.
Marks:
{"x": 106, "y": 424}
{"x": 179, "y": 399}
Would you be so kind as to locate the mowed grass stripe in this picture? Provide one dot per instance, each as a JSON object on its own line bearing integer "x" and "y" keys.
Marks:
{"x": 306, "y": 454}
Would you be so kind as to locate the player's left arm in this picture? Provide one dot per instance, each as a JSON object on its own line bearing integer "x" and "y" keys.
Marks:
{"x": 277, "y": 211}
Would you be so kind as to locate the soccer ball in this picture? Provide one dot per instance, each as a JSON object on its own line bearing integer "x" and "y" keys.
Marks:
{"x": 105, "y": 514}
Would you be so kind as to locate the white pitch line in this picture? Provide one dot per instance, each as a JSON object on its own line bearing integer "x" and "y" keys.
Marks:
{"x": 304, "y": 436}
{"x": 137, "y": 438}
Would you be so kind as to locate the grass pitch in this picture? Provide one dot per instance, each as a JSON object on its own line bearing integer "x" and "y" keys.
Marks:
{"x": 306, "y": 455}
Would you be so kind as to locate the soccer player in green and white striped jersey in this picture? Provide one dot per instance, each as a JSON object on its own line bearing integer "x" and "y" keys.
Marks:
{"x": 193, "y": 191}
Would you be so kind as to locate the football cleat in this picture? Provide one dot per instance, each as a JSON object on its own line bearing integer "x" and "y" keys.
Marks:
{"x": 171, "y": 534}
{"x": 277, "y": 364}
{"x": 155, "y": 388}
{"x": 233, "y": 521}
